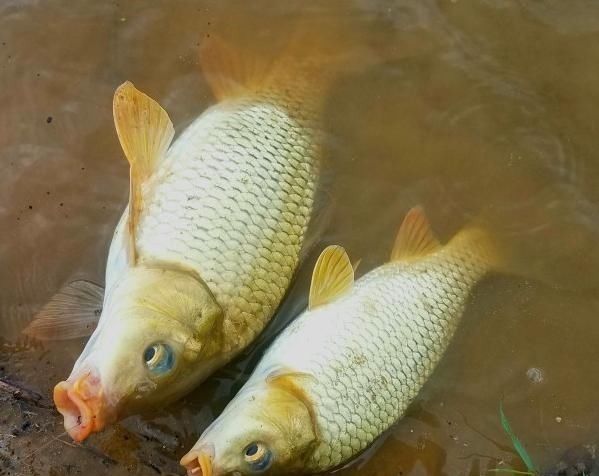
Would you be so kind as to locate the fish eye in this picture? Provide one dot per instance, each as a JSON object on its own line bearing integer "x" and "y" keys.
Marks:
{"x": 257, "y": 456}
{"x": 159, "y": 358}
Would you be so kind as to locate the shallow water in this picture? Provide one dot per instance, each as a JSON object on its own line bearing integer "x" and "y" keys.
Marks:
{"x": 482, "y": 110}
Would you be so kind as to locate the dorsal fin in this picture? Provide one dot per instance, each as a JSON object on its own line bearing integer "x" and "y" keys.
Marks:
{"x": 415, "y": 237}
{"x": 229, "y": 72}
{"x": 333, "y": 275}
{"x": 145, "y": 133}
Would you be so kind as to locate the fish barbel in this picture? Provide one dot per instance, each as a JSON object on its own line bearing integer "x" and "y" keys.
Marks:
{"x": 347, "y": 368}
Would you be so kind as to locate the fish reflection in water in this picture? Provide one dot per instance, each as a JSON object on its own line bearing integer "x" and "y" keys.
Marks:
{"x": 519, "y": 81}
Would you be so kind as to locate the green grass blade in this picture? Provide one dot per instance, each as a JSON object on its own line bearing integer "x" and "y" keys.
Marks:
{"x": 516, "y": 443}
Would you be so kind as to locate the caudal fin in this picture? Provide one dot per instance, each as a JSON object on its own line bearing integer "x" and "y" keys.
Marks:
{"x": 300, "y": 57}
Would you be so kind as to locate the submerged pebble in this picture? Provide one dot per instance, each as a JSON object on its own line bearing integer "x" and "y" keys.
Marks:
{"x": 535, "y": 375}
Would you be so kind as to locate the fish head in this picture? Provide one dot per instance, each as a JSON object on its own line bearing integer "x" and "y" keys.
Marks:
{"x": 264, "y": 430}
{"x": 160, "y": 333}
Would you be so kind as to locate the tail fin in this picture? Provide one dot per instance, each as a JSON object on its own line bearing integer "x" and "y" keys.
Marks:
{"x": 301, "y": 58}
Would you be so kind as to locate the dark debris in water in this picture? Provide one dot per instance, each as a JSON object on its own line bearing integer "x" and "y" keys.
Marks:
{"x": 577, "y": 461}
{"x": 21, "y": 393}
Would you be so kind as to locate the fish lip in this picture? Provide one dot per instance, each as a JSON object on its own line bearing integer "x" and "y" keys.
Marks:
{"x": 81, "y": 405}
{"x": 199, "y": 462}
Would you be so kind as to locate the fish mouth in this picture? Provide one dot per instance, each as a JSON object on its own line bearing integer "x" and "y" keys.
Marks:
{"x": 80, "y": 403}
{"x": 198, "y": 462}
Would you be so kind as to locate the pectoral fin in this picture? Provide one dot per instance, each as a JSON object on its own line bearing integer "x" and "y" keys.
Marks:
{"x": 145, "y": 133}
{"x": 333, "y": 275}
{"x": 71, "y": 313}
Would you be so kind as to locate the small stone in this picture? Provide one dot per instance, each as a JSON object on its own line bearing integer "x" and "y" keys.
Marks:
{"x": 535, "y": 375}
{"x": 558, "y": 419}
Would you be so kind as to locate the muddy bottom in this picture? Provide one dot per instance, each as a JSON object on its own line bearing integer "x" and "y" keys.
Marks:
{"x": 30, "y": 425}
{"x": 484, "y": 110}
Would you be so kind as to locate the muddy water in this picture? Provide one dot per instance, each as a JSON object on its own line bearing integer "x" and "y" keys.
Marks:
{"x": 481, "y": 109}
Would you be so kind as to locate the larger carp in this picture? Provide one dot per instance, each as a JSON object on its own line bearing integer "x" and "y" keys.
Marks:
{"x": 209, "y": 242}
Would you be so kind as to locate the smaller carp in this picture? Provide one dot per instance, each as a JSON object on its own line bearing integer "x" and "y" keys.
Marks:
{"x": 349, "y": 367}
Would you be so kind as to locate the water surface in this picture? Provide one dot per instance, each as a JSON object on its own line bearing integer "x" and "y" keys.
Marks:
{"x": 483, "y": 110}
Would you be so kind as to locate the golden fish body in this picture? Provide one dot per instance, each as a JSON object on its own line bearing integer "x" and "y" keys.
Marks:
{"x": 372, "y": 350}
{"x": 232, "y": 201}
{"x": 351, "y": 364}
{"x": 205, "y": 250}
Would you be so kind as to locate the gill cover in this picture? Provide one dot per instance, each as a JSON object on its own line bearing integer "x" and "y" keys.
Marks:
{"x": 177, "y": 300}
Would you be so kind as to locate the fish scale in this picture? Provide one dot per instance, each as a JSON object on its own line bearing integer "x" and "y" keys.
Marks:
{"x": 372, "y": 350}
{"x": 246, "y": 172}
{"x": 209, "y": 242}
